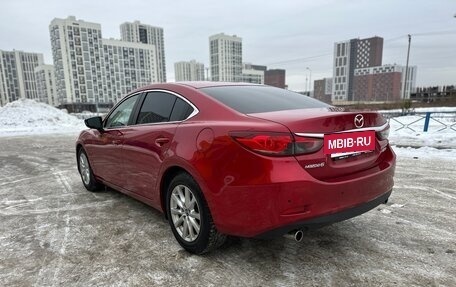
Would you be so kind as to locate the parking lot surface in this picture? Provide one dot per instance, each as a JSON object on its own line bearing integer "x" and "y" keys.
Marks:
{"x": 55, "y": 233}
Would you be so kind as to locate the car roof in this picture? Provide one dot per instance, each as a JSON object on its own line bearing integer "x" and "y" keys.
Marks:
{"x": 195, "y": 85}
{"x": 207, "y": 84}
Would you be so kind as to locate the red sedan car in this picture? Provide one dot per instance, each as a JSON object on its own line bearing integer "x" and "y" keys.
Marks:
{"x": 238, "y": 159}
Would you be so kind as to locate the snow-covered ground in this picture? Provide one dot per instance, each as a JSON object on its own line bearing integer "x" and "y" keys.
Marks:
{"x": 27, "y": 117}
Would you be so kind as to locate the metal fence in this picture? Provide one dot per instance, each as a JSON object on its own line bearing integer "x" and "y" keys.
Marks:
{"x": 423, "y": 121}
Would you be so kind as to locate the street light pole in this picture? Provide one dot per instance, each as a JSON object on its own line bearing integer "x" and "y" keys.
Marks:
{"x": 306, "y": 86}
{"x": 406, "y": 67}
{"x": 310, "y": 79}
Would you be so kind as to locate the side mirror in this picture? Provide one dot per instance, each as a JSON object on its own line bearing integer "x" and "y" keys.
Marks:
{"x": 94, "y": 123}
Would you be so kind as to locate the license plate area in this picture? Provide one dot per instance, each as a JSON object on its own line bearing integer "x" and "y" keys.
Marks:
{"x": 342, "y": 145}
{"x": 344, "y": 155}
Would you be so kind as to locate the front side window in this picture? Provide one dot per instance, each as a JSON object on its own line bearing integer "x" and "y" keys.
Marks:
{"x": 121, "y": 115}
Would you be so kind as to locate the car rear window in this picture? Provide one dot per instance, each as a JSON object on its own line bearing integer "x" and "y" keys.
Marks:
{"x": 260, "y": 99}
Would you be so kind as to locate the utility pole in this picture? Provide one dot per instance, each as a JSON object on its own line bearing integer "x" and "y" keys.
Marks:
{"x": 406, "y": 67}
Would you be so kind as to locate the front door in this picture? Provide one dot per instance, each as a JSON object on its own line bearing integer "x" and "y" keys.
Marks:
{"x": 105, "y": 153}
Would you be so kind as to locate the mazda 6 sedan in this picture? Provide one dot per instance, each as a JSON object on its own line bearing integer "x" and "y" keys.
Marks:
{"x": 234, "y": 159}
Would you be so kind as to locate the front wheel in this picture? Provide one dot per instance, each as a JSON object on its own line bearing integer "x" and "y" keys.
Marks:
{"x": 189, "y": 216}
{"x": 88, "y": 179}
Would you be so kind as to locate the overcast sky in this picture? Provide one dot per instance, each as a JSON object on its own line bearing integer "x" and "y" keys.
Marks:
{"x": 292, "y": 35}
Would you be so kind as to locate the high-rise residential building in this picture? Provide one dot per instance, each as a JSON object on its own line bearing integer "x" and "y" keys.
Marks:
{"x": 45, "y": 84}
{"x": 126, "y": 66}
{"x": 275, "y": 77}
{"x": 89, "y": 69}
{"x": 225, "y": 58}
{"x": 77, "y": 51}
{"x": 383, "y": 83}
{"x": 17, "y": 75}
{"x": 253, "y": 73}
{"x": 350, "y": 55}
{"x": 323, "y": 90}
{"x": 257, "y": 67}
{"x": 147, "y": 34}
{"x": 189, "y": 71}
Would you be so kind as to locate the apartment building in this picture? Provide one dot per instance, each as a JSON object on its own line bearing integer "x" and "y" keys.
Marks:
{"x": 225, "y": 58}
{"x": 189, "y": 71}
{"x": 17, "y": 75}
{"x": 138, "y": 32}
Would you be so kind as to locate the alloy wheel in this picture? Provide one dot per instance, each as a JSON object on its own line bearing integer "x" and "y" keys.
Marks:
{"x": 185, "y": 213}
{"x": 84, "y": 168}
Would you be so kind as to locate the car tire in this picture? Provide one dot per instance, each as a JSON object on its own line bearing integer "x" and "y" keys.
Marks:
{"x": 85, "y": 170}
{"x": 189, "y": 216}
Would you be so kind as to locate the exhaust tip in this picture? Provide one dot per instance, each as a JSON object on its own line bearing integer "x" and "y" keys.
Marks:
{"x": 298, "y": 236}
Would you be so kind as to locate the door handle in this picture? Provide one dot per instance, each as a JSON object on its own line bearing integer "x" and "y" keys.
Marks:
{"x": 116, "y": 142}
{"x": 161, "y": 141}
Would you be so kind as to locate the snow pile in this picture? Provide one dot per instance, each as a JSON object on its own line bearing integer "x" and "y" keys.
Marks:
{"x": 408, "y": 131}
{"x": 26, "y": 117}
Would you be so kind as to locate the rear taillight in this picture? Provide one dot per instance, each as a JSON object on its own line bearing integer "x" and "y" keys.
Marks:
{"x": 305, "y": 145}
{"x": 383, "y": 135}
{"x": 277, "y": 144}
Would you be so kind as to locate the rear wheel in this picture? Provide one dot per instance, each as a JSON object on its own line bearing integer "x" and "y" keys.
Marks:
{"x": 88, "y": 179}
{"x": 189, "y": 216}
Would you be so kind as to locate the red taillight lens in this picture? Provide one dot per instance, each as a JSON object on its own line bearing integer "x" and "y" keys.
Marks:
{"x": 384, "y": 134}
{"x": 305, "y": 145}
{"x": 277, "y": 144}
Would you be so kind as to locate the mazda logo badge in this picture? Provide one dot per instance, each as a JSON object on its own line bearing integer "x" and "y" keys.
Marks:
{"x": 359, "y": 121}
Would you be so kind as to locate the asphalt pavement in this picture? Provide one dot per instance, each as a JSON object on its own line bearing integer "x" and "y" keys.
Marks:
{"x": 55, "y": 233}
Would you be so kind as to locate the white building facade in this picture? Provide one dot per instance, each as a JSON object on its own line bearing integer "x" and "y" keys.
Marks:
{"x": 225, "y": 58}
{"x": 126, "y": 67}
{"x": 77, "y": 51}
{"x": 45, "y": 84}
{"x": 252, "y": 75}
{"x": 17, "y": 75}
{"x": 89, "y": 69}
{"x": 137, "y": 32}
{"x": 340, "y": 71}
{"x": 189, "y": 71}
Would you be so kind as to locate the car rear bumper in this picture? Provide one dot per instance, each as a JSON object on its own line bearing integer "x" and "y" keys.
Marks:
{"x": 321, "y": 221}
{"x": 292, "y": 199}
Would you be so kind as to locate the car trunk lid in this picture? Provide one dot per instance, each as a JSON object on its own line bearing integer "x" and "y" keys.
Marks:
{"x": 315, "y": 123}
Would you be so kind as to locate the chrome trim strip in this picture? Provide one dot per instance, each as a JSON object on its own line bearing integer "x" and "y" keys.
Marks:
{"x": 194, "y": 113}
{"x": 195, "y": 109}
{"x": 320, "y": 135}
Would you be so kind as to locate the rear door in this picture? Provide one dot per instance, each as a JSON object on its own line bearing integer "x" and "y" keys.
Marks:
{"x": 147, "y": 143}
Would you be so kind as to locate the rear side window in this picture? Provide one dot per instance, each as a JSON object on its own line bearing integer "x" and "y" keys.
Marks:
{"x": 156, "y": 108}
{"x": 260, "y": 99}
{"x": 181, "y": 110}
